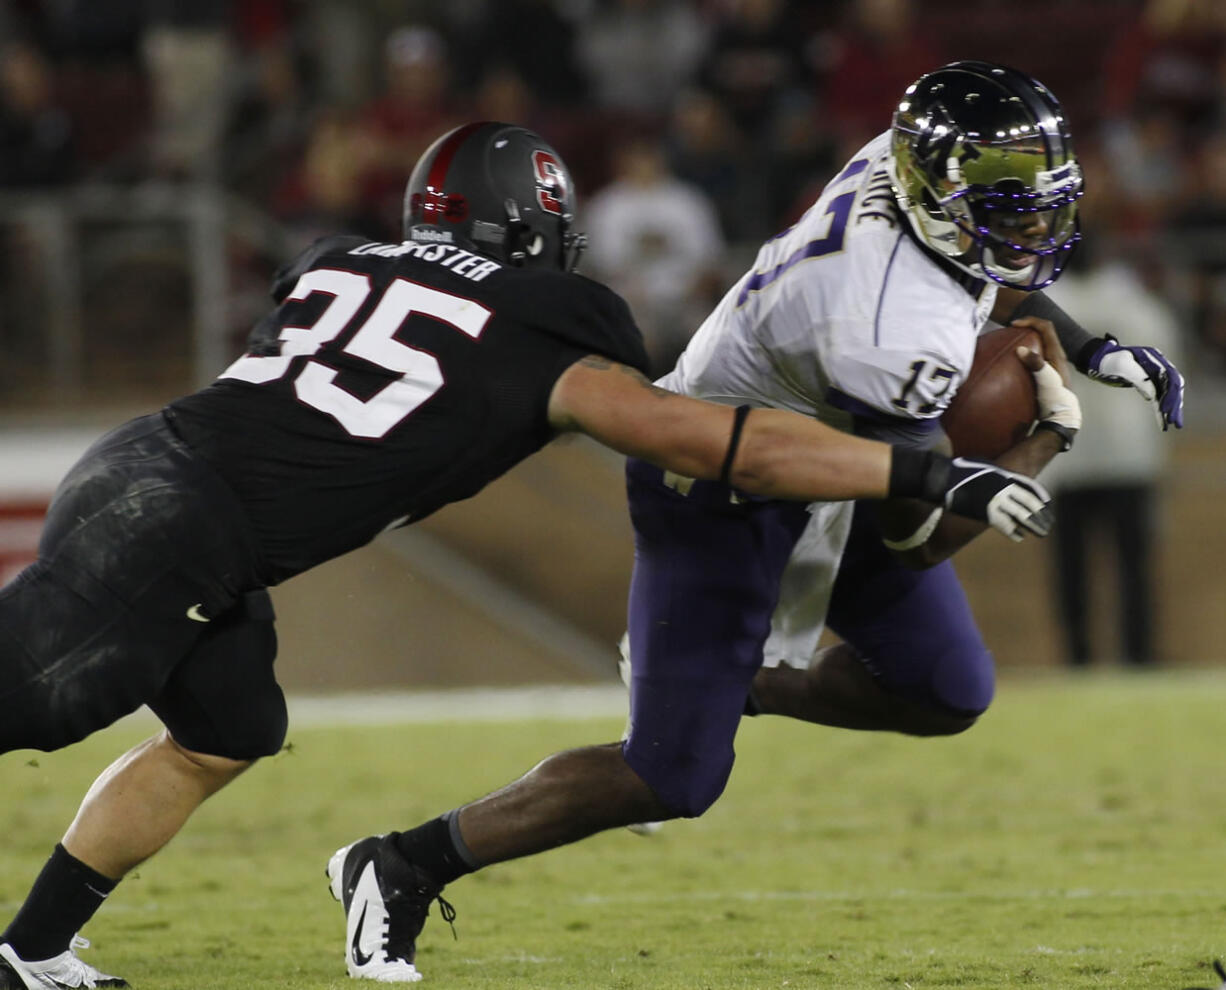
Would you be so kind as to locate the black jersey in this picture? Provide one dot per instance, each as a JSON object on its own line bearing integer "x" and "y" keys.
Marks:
{"x": 391, "y": 380}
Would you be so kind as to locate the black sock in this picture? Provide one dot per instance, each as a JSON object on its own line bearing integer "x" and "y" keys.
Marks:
{"x": 63, "y": 898}
{"x": 437, "y": 848}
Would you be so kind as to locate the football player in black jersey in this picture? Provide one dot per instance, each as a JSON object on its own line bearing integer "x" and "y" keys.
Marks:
{"x": 390, "y": 380}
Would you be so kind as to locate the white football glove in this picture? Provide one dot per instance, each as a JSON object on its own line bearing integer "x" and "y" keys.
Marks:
{"x": 1009, "y": 502}
{"x": 1005, "y": 500}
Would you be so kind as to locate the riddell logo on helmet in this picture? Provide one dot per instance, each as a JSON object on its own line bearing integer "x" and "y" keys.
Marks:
{"x": 427, "y": 234}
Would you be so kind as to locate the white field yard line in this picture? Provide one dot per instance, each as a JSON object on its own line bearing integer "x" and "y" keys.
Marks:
{"x": 563, "y": 702}
{"x": 398, "y": 707}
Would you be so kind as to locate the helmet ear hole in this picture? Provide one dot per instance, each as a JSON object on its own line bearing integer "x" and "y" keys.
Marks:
{"x": 522, "y": 242}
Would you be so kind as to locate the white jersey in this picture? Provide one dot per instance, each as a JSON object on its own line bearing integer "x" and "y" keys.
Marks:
{"x": 842, "y": 313}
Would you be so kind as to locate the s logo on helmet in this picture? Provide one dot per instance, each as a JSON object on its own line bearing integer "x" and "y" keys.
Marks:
{"x": 551, "y": 182}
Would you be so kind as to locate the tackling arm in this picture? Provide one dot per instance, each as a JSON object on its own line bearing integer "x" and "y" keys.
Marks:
{"x": 781, "y": 454}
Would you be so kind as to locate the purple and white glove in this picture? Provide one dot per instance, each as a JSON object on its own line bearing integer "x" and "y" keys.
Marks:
{"x": 1144, "y": 368}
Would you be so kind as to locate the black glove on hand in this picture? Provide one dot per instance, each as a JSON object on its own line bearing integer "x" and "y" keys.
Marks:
{"x": 1009, "y": 502}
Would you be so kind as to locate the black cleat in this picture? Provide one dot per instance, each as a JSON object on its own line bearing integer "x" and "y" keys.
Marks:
{"x": 386, "y": 900}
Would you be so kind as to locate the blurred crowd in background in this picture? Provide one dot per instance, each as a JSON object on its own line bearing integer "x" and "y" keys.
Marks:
{"x": 160, "y": 158}
{"x": 694, "y": 128}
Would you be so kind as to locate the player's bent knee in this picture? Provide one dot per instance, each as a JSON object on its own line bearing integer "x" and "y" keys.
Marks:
{"x": 690, "y": 803}
{"x": 937, "y": 722}
{"x": 263, "y": 739}
{"x": 963, "y": 684}
{"x": 243, "y": 742}
{"x": 959, "y": 689}
{"x": 219, "y": 770}
{"x": 688, "y": 791}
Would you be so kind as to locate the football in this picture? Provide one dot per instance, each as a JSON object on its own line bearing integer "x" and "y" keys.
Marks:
{"x": 996, "y": 405}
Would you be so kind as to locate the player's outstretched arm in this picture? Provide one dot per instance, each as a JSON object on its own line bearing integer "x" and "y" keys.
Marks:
{"x": 781, "y": 454}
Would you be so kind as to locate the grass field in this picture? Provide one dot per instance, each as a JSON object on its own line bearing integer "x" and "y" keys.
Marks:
{"x": 1076, "y": 838}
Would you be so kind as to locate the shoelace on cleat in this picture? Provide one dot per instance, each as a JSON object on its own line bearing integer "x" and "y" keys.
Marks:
{"x": 407, "y": 918}
{"x": 78, "y": 969}
{"x": 445, "y": 910}
{"x": 447, "y": 913}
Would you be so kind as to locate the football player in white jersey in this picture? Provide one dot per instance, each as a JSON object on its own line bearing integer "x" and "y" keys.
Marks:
{"x": 863, "y": 315}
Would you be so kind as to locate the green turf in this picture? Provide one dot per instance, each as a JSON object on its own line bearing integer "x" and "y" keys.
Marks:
{"x": 1076, "y": 838}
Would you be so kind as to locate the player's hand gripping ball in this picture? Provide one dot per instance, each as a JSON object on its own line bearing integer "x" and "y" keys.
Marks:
{"x": 996, "y": 405}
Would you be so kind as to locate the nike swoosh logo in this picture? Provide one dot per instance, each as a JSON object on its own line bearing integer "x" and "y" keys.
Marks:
{"x": 195, "y": 614}
{"x": 359, "y": 957}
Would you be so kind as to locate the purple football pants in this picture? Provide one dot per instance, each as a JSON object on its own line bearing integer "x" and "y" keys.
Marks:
{"x": 705, "y": 583}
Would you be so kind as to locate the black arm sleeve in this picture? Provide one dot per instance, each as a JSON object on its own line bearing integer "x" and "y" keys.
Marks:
{"x": 1078, "y": 343}
{"x": 919, "y": 474}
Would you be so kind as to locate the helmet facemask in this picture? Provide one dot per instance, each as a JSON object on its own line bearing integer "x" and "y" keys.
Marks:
{"x": 522, "y": 245}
